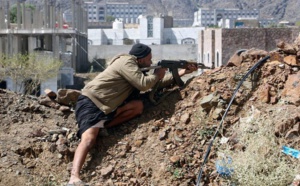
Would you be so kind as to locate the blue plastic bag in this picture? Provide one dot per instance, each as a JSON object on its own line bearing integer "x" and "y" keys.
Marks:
{"x": 293, "y": 152}
{"x": 223, "y": 166}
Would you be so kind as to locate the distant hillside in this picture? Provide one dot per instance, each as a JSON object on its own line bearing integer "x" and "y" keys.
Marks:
{"x": 279, "y": 9}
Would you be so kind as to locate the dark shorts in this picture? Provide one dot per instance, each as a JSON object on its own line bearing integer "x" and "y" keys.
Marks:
{"x": 88, "y": 114}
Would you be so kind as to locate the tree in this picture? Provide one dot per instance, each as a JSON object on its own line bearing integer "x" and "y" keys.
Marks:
{"x": 29, "y": 71}
{"x": 13, "y": 12}
{"x": 110, "y": 18}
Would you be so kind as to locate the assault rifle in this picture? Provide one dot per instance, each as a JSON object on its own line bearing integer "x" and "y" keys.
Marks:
{"x": 173, "y": 66}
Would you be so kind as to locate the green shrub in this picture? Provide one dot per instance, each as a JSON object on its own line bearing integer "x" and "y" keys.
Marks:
{"x": 35, "y": 67}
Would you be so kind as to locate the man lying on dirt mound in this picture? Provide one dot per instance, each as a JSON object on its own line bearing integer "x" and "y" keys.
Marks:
{"x": 111, "y": 98}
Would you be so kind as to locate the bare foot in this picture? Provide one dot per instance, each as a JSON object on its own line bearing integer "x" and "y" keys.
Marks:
{"x": 74, "y": 179}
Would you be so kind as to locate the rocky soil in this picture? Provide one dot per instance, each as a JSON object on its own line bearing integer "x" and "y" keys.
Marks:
{"x": 167, "y": 143}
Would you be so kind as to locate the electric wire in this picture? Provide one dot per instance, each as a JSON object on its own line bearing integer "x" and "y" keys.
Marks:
{"x": 83, "y": 49}
{"x": 225, "y": 114}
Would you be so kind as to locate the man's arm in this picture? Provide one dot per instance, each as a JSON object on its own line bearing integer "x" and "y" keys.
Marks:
{"x": 132, "y": 73}
{"x": 173, "y": 65}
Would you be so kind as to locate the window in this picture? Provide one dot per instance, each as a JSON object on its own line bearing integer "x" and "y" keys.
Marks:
{"x": 208, "y": 58}
{"x": 168, "y": 41}
{"x": 149, "y": 26}
{"x": 188, "y": 41}
{"x": 217, "y": 59}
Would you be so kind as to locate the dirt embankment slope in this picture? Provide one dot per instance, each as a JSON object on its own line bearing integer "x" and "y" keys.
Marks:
{"x": 165, "y": 145}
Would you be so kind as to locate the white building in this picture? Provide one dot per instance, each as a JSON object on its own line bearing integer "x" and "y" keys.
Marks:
{"x": 268, "y": 22}
{"x": 95, "y": 11}
{"x": 150, "y": 31}
{"x": 207, "y": 17}
{"x": 128, "y": 12}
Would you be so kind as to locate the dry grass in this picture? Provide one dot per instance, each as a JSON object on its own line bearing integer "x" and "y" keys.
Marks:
{"x": 261, "y": 162}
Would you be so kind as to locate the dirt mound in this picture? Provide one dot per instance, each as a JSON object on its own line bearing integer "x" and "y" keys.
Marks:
{"x": 164, "y": 146}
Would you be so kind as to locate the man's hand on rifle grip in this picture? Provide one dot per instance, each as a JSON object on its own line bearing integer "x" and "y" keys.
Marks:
{"x": 160, "y": 72}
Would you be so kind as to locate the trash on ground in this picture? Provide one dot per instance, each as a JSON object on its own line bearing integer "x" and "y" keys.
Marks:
{"x": 293, "y": 152}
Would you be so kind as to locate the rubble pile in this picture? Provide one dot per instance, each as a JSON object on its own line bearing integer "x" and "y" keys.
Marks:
{"x": 165, "y": 145}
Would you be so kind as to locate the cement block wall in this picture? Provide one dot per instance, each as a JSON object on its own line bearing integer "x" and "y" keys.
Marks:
{"x": 236, "y": 39}
{"x": 261, "y": 38}
{"x": 175, "y": 52}
{"x": 228, "y": 41}
{"x": 276, "y": 34}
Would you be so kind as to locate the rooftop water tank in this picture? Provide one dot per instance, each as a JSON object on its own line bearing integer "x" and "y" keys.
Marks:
{"x": 117, "y": 24}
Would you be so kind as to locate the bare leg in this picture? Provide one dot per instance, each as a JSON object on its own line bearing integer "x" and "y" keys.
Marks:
{"x": 88, "y": 140}
{"x": 127, "y": 112}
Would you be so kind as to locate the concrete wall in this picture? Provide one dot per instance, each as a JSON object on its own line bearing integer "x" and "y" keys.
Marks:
{"x": 275, "y": 34}
{"x": 176, "y": 35}
{"x": 209, "y": 47}
{"x": 261, "y": 38}
{"x": 218, "y": 48}
{"x": 18, "y": 86}
{"x": 235, "y": 39}
{"x": 223, "y": 43}
{"x": 158, "y": 27}
{"x": 49, "y": 84}
{"x": 185, "y": 52}
{"x": 200, "y": 46}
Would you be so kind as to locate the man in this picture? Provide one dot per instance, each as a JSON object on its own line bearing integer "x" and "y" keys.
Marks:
{"x": 104, "y": 101}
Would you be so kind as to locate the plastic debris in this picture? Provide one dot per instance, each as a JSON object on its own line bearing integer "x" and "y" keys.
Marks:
{"x": 223, "y": 166}
{"x": 289, "y": 151}
{"x": 224, "y": 140}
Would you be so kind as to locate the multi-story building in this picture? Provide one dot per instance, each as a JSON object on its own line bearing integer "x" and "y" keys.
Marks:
{"x": 95, "y": 11}
{"x": 207, "y": 17}
{"x": 127, "y": 12}
{"x": 41, "y": 32}
{"x": 268, "y": 22}
{"x": 183, "y": 22}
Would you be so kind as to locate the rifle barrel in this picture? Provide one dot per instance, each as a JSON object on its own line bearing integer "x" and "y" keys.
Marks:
{"x": 149, "y": 68}
{"x": 199, "y": 65}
